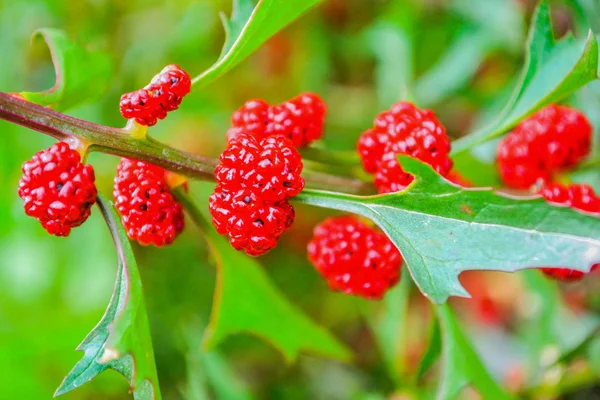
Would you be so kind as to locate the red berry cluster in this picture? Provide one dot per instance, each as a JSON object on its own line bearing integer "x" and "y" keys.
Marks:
{"x": 256, "y": 177}
{"x": 58, "y": 189}
{"x": 354, "y": 258}
{"x": 553, "y": 139}
{"x": 300, "y": 119}
{"x": 577, "y": 196}
{"x": 149, "y": 212}
{"x": 163, "y": 94}
{"x": 403, "y": 129}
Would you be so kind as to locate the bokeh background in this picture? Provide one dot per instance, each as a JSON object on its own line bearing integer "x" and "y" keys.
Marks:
{"x": 460, "y": 58}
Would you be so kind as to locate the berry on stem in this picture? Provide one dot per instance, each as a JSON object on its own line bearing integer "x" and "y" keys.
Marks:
{"x": 163, "y": 94}
{"x": 555, "y": 138}
{"x": 256, "y": 177}
{"x": 149, "y": 212}
{"x": 403, "y": 129}
{"x": 58, "y": 189}
{"x": 354, "y": 258}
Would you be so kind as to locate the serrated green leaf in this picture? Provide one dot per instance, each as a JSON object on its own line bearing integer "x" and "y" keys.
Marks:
{"x": 121, "y": 340}
{"x": 249, "y": 27}
{"x": 82, "y": 75}
{"x": 552, "y": 71}
{"x": 246, "y": 301}
{"x": 442, "y": 229}
{"x": 461, "y": 365}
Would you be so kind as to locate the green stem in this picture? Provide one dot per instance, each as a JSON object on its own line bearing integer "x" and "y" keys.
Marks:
{"x": 194, "y": 212}
{"x": 338, "y": 158}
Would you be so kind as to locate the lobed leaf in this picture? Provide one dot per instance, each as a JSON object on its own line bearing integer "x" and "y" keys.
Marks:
{"x": 82, "y": 75}
{"x": 249, "y": 27}
{"x": 121, "y": 340}
{"x": 442, "y": 229}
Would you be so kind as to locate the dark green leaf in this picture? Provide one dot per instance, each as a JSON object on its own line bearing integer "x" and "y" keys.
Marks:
{"x": 249, "y": 27}
{"x": 246, "y": 301}
{"x": 553, "y": 70}
{"x": 82, "y": 75}
{"x": 443, "y": 230}
{"x": 461, "y": 365}
{"x": 121, "y": 340}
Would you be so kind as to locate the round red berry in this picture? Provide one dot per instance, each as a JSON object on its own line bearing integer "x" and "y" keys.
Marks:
{"x": 255, "y": 179}
{"x": 553, "y": 139}
{"x": 163, "y": 94}
{"x": 354, "y": 258}
{"x": 403, "y": 129}
{"x": 251, "y": 118}
{"x": 149, "y": 212}
{"x": 580, "y": 197}
{"x": 58, "y": 189}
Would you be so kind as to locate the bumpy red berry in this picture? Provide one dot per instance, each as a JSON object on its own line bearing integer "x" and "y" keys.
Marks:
{"x": 149, "y": 212}
{"x": 163, "y": 94}
{"x": 403, "y": 129}
{"x": 58, "y": 189}
{"x": 256, "y": 177}
{"x": 300, "y": 119}
{"x": 553, "y": 139}
{"x": 354, "y": 258}
{"x": 580, "y": 197}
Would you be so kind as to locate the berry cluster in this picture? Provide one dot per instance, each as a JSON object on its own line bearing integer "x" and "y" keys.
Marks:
{"x": 163, "y": 94}
{"x": 148, "y": 210}
{"x": 403, "y": 129}
{"x": 58, "y": 189}
{"x": 354, "y": 258}
{"x": 256, "y": 177}
{"x": 553, "y": 139}
{"x": 577, "y": 196}
{"x": 300, "y": 119}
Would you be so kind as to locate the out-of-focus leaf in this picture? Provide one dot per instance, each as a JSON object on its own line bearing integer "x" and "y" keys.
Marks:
{"x": 553, "y": 70}
{"x": 442, "y": 229}
{"x": 121, "y": 340}
{"x": 246, "y": 301}
{"x": 249, "y": 27}
{"x": 461, "y": 365}
{"x": 82, "y": 75}
{"x": 433, "y": 351}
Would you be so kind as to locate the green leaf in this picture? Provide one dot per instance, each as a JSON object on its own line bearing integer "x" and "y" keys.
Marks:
{"x": 461, "y": 365}
{"x": 443, "y": 230}
{"x": 246, "y": 301}
{"x": 249, "y": 27}
{"x": 433, "y": 351}
{"x": 121, "y": 340}
{"x": 552, "y": 71}
{"x": 82, "y": 75}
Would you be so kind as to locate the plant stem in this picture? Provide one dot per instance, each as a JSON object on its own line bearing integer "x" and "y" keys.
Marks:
{"x": 338, "y": 158}
{"x": 121, "y": 142}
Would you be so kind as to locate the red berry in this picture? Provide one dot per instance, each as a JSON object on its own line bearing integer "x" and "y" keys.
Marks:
{"x": 354, "y": 258}
{"x": 58, "y": 189}
{"x": 149, "y": 212}
{"x": 580, "y": 197}
{"x": 553, "y": 139}
{"x": 300, "y": 119}
{"x": 255, "y": 179}
{"x": 163, "y": 94}
{"x": 404, "y": 129}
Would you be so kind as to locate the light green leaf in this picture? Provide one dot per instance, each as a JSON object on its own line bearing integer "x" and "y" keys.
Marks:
{"x": 246, "y": 301}
{"x": 442, "y": 229}
{"x": 82, "y": 75}
{"x": 121, "y": 340}
{"x": 249, "y": 27}
{"x": 552, "y": 71}
{"x": 461, "y": 365}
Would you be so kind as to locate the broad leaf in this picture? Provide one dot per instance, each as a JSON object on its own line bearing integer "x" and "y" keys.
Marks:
{"x": 121, "y": 340}
{"x": 246, "y": 301}
{"x": 442, "y": 229}
{"x": 461, "y": 366}
{"x": 82, "y": 75}
{"x": 552, "y": 71}
{"x": 249, "y": 27}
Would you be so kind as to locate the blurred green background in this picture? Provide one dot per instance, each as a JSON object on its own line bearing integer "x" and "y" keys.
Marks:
{"x": 459, "y": 57}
